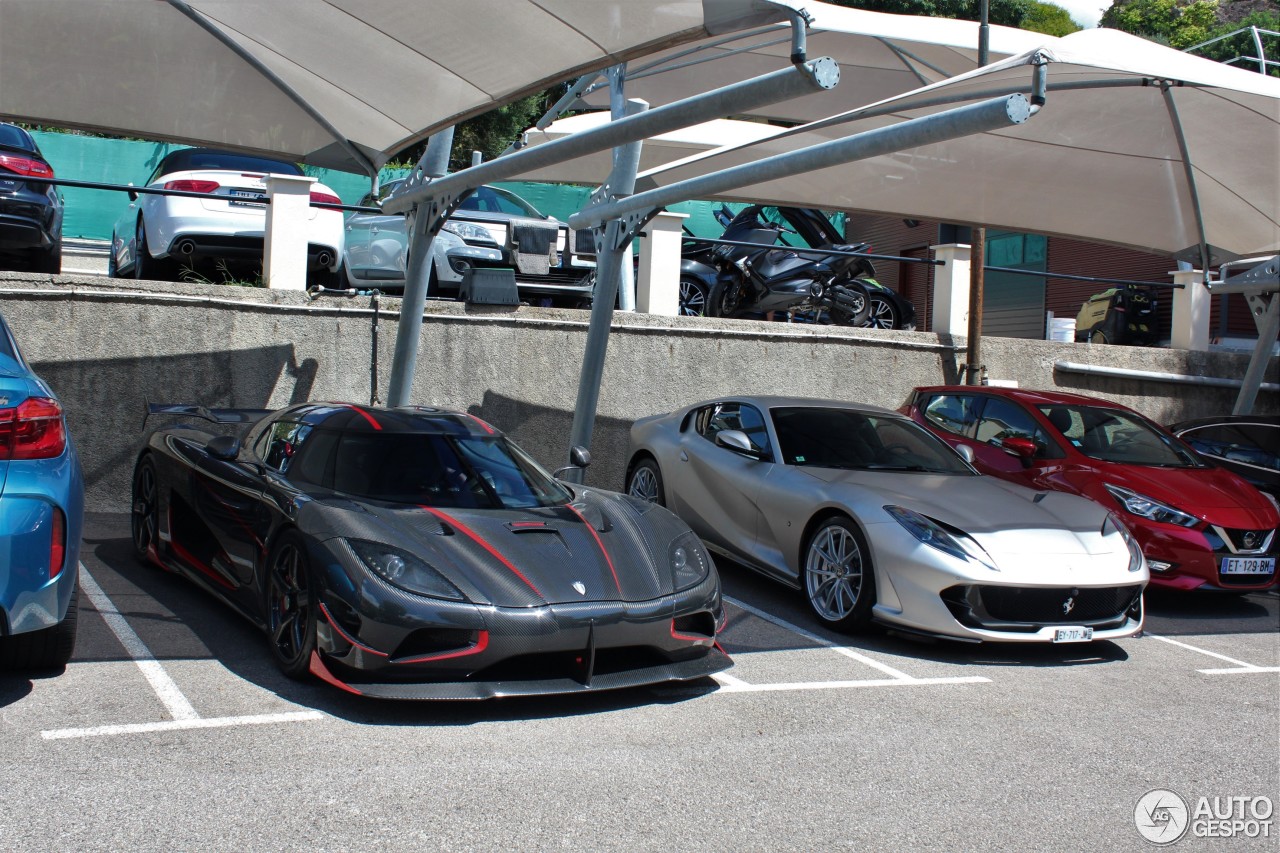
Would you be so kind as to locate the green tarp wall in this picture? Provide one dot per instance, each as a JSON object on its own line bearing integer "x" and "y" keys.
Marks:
{"x": 91, "y": 214}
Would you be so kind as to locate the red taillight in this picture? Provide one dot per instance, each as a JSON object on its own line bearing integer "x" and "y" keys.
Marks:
{"x": 324, "y": 198}
{"x": 34, "y": 430}
{"x": 192, "y": 186}
{"x": 25, "y": 166}
{"x": 57, "y": 543}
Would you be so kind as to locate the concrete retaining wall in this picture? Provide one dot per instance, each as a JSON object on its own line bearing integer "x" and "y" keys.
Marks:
{"x": 110, "y": 346}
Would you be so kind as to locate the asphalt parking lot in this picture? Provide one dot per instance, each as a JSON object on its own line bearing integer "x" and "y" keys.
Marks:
{"x": 172, "y": 730}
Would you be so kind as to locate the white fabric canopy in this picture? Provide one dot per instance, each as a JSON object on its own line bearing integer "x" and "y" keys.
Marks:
{"x": 355, "y": 80}
{"x": 1101, "y": 163}
{"x": 880, "y": 56}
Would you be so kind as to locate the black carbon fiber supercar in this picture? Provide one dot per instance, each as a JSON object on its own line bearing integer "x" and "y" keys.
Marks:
{"x": 417, "y": 553}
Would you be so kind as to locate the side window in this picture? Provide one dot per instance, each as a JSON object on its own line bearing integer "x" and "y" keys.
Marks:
{"x": 951, "y": 412}
{"x": 1002, "y": 419}
{"x": 747, "y": 419}
{"x": 280, "y": 443}
{"x": 1251, "y": 444}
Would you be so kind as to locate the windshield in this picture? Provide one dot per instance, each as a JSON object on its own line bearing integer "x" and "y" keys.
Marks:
{"x": 494, "y": 200}
{"x": 842, "y": 438}
{"x": 443, "y": 471}
{"x": 1114, "y": 435}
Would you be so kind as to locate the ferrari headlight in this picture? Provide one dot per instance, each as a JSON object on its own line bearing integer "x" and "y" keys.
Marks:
{"x": 949, "y": 541}
{"x": 468, "y": 231}
{"x": 1113, "y": 524}
{"x": 402, "y": 569}
{"x": 689, "y": 561}
{"x": 1145, "y": 507}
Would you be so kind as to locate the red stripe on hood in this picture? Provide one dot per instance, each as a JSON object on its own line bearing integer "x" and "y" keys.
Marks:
{"x": 479, "y": 540}
{"x": 603, "y": 550}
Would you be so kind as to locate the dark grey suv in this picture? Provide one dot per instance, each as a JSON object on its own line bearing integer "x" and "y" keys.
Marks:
{"x": 30, "y": 213}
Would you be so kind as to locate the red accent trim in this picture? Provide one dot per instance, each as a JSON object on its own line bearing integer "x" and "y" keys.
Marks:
{"x": 691, "y": 638}
{"x": 487, "y": 428}
{"x": 320, "y": 671}
{"x": 368, "y": 417}
{"x": 475, "y": 537}
{"x": 189, "y": 558}
{"x": 482, "y": 643}
{"x": 603, "y": 550}
{"x": 528, "y": 524}
{"x": 350, "y": 639}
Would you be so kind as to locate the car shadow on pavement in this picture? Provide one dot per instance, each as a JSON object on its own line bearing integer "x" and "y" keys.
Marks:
{"x": 177, "y": 620}
{"x": 14, "y": 686}
{"x": 1187, "y": 613}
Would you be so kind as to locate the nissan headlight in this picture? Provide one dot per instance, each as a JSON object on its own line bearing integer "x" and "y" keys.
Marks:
{"x": 948, "y": 540}
{"x": 1113, "y": 524}
{"x": 402, "y": 569}
{"x": 689, "y": 561}
{"x": 1149, "y": 508}
{"x": 468, "y": 231}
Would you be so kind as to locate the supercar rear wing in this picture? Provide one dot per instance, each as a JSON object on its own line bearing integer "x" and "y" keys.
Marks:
{"x": 217, "y": 416}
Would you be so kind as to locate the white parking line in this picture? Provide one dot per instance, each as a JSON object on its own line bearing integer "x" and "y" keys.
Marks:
{"x": 1240, "y": 666}
{"x": 184, "y": 715}
{"x": 730, "y": 684}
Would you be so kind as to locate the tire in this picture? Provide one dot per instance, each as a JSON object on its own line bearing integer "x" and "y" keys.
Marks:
{"x": 856, "y": 313}
{"x": 145, "y": 266}
{"x": 48, "y": 260}
{"x": 290, "y": 606}
{"x": 144, "y": 512}
{"x": 645, "y": 482}
{"x": 725, "y": 299}
{"x": 693, "y": 297}
{"x": 48, "y": 648}
{"x": 837, "y": 577}
{"x": 883, "y": 314}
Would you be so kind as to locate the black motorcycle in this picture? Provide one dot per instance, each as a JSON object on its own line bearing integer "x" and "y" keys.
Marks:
{"x": 759, "y": 279}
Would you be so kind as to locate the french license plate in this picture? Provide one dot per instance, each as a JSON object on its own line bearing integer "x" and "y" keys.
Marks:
{"x": 1074, "y": 634}
{"x": 1248, "y": 565}
{"x": 247, "y": 198}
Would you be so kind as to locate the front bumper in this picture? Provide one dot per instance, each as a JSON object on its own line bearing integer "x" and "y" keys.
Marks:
{"x": 378, "y": 640}
{"x": 1195, "y": 556}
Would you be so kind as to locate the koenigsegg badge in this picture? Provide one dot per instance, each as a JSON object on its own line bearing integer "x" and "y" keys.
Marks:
{"x": 580, "y": 587}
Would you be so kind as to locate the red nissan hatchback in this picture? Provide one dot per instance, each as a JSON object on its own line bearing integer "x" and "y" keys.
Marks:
{"x": 1200, "y": 526}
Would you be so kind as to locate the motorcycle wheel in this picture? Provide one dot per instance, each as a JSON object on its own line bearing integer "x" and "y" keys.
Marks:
{"x": 725, "y": 299}
{"x": 858, "y": 309}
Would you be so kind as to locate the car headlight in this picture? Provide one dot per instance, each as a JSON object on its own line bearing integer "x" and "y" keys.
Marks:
{"x": 1112, "y": 523}
{"x": 1149, "y": 508}
{"x": 468, "y": 231}
{"x": 402, "y": 569}
{"x": 949, "y": 541}
{"x": 689, "y": 561}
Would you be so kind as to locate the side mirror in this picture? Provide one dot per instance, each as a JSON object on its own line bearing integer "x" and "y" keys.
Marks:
{"x": 737, "y": 441}
{"x": 224, "y": 447}
{"x": 1020, "y": 446}
{"x": 579, "y": 459}
{"x": 966, "y": 452}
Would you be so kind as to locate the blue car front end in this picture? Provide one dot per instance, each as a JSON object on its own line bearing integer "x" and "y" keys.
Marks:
{"x": 41, "y": 513}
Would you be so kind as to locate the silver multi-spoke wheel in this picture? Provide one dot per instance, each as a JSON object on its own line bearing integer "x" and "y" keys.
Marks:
{"x": 837, "y": 575}
{"x": 693, "y": 298}
{"x": 883, "y": 315}
{"x": 645, "y": 482}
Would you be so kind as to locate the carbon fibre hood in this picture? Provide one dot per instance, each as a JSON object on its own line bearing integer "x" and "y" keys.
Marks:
{"x": 600, "y": 547}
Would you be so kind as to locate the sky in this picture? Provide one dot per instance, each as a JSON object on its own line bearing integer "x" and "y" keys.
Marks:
{"x": 1084, "y": 12}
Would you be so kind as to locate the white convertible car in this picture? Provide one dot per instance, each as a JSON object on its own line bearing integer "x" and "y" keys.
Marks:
{"x": 876, "y": 520}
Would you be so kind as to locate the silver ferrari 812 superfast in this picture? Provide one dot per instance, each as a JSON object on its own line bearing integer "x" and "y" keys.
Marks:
{"x": 876, "y": 520}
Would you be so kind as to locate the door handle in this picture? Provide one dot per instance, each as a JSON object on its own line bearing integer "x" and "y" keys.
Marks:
{"x": 684, "y": 457}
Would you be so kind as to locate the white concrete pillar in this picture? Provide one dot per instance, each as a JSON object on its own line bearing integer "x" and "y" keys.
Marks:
{"x": 658, "y": 283}
{"x": 1191, "y": 303}
{"x": 951, "y": 289}
{"x": 284, "y": 254}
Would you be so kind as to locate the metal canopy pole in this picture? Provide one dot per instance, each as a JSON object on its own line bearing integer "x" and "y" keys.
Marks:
{"x": 993, "y": 114}
{"x": 613, "y": 246}
{"x": 1261, "y": 286}
{"x": 974, "y": 368}
{"x": 422, "y": 229}
{"x": 431, "y": 199}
